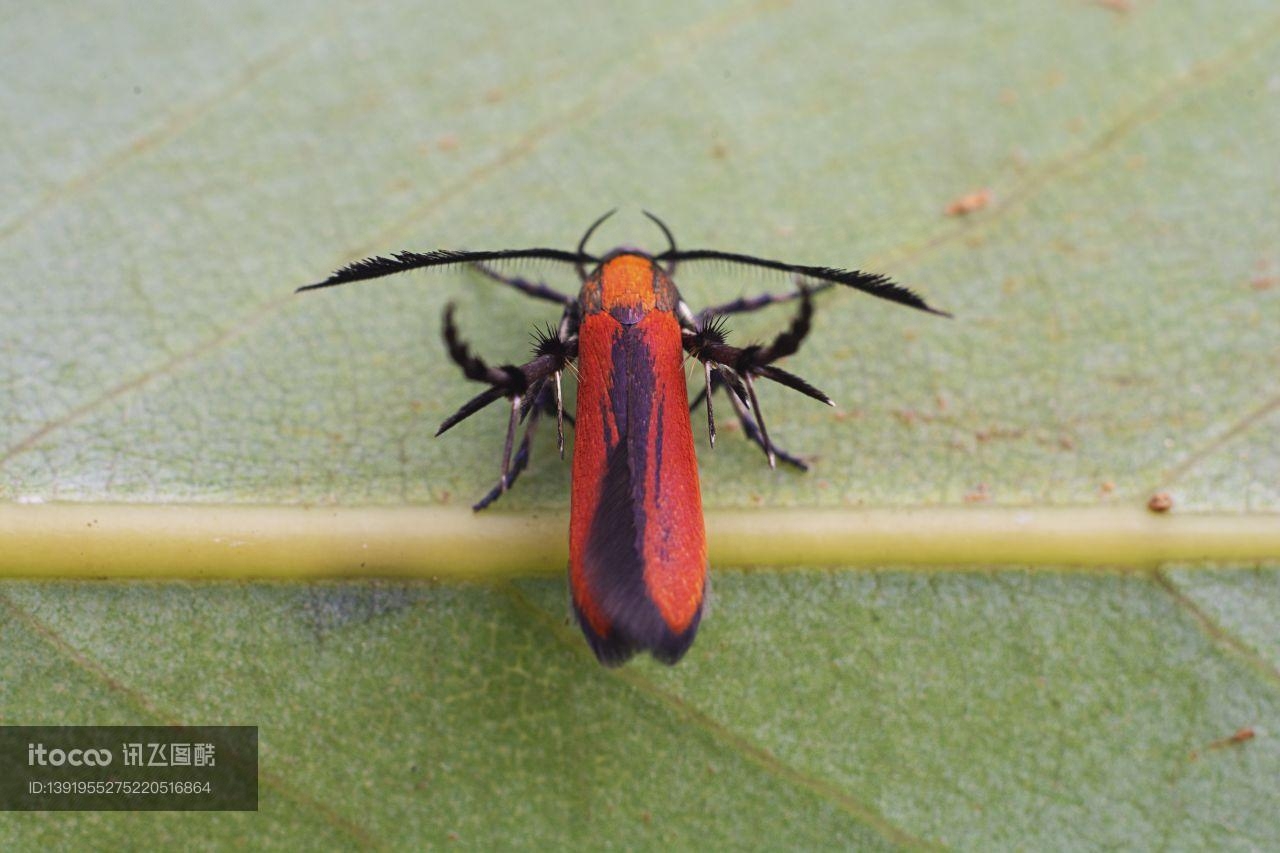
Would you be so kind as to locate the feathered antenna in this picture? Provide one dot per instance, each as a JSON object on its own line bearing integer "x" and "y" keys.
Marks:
{"x": 868, "y": 282}
{"x": 377, "y": 267}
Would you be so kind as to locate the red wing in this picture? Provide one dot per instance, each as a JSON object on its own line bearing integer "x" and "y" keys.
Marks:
{"x": 637, "y": 546}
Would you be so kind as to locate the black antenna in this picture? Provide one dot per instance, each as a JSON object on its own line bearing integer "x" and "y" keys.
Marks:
{"x": 671, "y": 241}
{"x": 582, "y": 244}
{"x": 868, "y": 282}
{"x": 376, "y": 267}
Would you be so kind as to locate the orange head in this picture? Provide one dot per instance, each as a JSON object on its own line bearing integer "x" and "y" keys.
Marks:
{"x": 628, "y": 285}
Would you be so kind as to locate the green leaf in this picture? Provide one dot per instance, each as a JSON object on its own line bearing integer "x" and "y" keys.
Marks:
{"x": 171, "y": 178}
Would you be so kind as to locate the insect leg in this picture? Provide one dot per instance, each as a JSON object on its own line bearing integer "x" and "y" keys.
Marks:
{"x": 535, "y": 289}
{"x": 749, "y": 427}
{"x": 544, "y": 404}
{"x": 743, "y": 305}
{"x": 512, "y": 423}
{"x": 524, "y": 385}
{"x": 518, "y": 462}
{"x": 738, "y": 367}
{"x": 711, "y": 418}
{"x": 752, "y": 432}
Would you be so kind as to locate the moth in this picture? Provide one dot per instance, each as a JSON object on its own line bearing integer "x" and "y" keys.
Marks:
{"x": 637, "y": 540}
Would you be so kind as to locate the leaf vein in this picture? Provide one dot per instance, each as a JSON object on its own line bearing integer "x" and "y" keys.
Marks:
{"x": 141, "y": 702}
{"x": 1241, "y": 426}
{"x": 731, "y": 740}
{"x": 606, "y": 92}
{"x": 178, "y": 122}
{"x": 1215, "y": 632}
{"x": 1148, "y": 110}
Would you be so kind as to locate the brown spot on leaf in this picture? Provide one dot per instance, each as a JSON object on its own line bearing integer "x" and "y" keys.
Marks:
{"x": 970, "y": 202}
{"x": 1244, "y": 734}
{"x": 994, "y": 433}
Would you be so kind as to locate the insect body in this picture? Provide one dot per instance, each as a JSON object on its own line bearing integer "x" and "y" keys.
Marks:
{"x": 637, "y": 549}
{"x": 637, "y": 546}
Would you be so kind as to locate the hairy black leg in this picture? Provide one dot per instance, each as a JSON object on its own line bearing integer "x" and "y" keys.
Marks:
{"x": 544, "y": 404}
{"x": 518, "y": 464}
{"x": 535, "y": 289}
{"x": 515, "y": 465}
{"x": 744, "y": 305}
{"x": 752, "y": 432}
{"x": 711, "y": 417}
{"x": 523, "y": 385}
{"x": 738, "y": 367}
{"x": 749, "y": 428}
